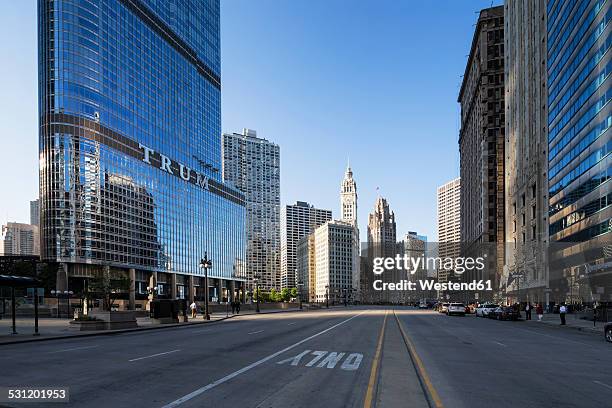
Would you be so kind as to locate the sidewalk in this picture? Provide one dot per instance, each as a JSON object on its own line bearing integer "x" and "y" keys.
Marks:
{"x": 53, "y": 328}
{"x": 572, "y": 322}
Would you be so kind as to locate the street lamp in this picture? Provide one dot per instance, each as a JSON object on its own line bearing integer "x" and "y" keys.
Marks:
{"x": 206, "y": 264}
{"x": 327, "y": 296}
{"x": 256, "y": 280}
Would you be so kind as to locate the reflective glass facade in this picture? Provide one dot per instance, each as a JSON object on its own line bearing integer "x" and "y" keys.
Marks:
{"x": 580, "y": 166}
{"x": 130, "y": 125}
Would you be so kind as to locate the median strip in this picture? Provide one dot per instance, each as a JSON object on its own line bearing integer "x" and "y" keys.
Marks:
{"x": 374, "y": 371}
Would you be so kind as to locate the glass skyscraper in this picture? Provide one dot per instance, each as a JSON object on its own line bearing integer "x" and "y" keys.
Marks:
{"x": 130, "y": 146}
{"x": 579, "y": 142}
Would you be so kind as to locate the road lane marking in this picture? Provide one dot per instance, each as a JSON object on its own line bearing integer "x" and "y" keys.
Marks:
{"x": 367, "y": 403}
{"x": 555, "y": 337}
{"x": 294, "y": 360}
{"x": 256, "y": 332}
{"x": 289, "y": 324}
{"x": 352, "y": 362}
{"x": 154, "y": 355}
{"x": 435, "y": 398}
{"x": 228, "y": 377}
{"x": 501, "y": 344}
{"x": 72, "y": 349}
{"x": 600, "y": 383}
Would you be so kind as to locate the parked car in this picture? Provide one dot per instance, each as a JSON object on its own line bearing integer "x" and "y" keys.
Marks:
{"x": 608, "y": 332}
{"x": 504, "y": 313}
{"x": 422, "y": 305}
{"x": 456, "y": 309}
{"x": 443, "y": 307}
{"x": 484, "y": 309}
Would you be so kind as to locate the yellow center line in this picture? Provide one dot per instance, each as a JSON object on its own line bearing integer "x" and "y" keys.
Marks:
{"x": 373, "y": 372}
{"x": 435, "y": 398}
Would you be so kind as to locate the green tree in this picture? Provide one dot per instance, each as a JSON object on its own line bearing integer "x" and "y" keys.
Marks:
{"x": 294, "y": 293}
{"x": 108, "y": 287}
{"x": 285, "y": 294}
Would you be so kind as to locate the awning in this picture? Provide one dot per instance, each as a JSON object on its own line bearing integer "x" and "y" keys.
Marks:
{"x": 19, "y": 281}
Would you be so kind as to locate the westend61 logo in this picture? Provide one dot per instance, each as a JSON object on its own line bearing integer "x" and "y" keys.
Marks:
{"x": 412, "y": 265}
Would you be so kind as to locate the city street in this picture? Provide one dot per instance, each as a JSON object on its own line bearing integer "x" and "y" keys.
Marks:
{"x": 331, "y": 358}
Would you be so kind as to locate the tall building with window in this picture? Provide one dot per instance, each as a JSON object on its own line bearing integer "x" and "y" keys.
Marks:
{"x": 35, "y": 212}
{"x": 297, "y": 221}
{"x": 252, "y": 165}
{"x": 579, "y": 116}
{"x": 334, "y": 257}
{"x": 481, "y": 145}
{"x": 526, "y": 147}
{"x": 130, "y": 147}
{"x": 449, "y": 223}
{"x": 20, "y": 239}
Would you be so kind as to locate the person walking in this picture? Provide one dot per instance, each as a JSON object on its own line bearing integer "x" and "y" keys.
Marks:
{"x": 562, "y": 312}
{"x": 540, "y": 311}
{"x": 194, "y": 309}
{"x": 528, "y": 311}
{"x": 237, "y": 306}
{"x": 233, "y": 306}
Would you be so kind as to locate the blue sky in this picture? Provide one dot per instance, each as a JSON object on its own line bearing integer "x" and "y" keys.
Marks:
{"x": 376, "y": 81}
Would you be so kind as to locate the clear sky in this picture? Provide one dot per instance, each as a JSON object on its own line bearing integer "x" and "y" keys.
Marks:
{"x": 373, "y": 80}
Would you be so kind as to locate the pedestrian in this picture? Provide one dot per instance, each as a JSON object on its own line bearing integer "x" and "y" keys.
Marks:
{"x": 562, "y": 312}
{"x": 238, "y": 306}
{"x": 540, "y": 311}
{"x": 194, "y": 309}
{"x": 233, "y": 306}
{"x": 528, "y": 311}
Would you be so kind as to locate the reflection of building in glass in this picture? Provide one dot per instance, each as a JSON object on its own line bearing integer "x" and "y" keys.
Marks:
{"x": 130, "y": 150}
{"x": 252, "y": 165}
{"x": 449, "y": 223}
{"x": 20, "y": 239}
{"x": 579, "y": 145}
{"x": 481, "y": 144}
{"x": 297, "y": 221}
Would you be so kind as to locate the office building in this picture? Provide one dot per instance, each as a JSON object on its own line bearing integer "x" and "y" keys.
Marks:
{"x": 481, "y": 146}
{"x": 335, "y": 262}
{"x": 20, "y": 239}
{"x": 252, "y": 165}
{"x": 307, "y": 267}
{"x": 579, "y": 116}
{"x": 526, "y": 150}
{"x": 297, "y": 221}
{"x": 130, "y": 148}
{"x": 414, "y": 247}
{"x": 34, "y": 212}
{"x": 381, "y": 243}
{"x": 449, "y": 223}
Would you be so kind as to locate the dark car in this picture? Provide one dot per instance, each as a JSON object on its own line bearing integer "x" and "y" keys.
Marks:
{"x": 504, "y": 313}
{"x": 608, "y": 332}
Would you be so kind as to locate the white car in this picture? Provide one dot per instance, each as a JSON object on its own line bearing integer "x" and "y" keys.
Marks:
{"x": 484, "y": 310}
{"x": 456, "y": 309}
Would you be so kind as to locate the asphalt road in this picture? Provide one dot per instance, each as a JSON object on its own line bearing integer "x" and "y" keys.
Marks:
{"x": 358, "y": 357}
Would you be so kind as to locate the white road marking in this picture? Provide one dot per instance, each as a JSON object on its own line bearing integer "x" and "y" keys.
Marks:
{"x": 289, "y": 324}
{"x": 255, "y": 332}
{"x": 72, "y": 349}
{"x": 294, "y": 360}
{"x": 600, "y": 383}
{"x": 501, "y": 344}
{"x": 201, "y": 331}
{"x": 253, "y": 365}
{"x": 154, "y": 355}
{"x": 318, "y": 355}
{"x": 352, "y": 362}
{"x": 556, "y": 337}
{"x": 331, "y": 360}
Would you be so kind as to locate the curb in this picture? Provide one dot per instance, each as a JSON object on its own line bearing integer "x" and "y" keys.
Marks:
{"x": 136, "y": 329}
{"x": 594, "y": 330}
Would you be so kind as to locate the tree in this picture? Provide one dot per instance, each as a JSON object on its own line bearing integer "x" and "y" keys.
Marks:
{"x": 108, "y": 287}
{"x": 294, "y": 293}
{"x": 285, "y": 295}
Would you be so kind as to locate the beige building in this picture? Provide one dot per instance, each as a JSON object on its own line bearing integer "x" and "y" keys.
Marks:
{"x": 526, "y": 147}
{"x": 306, "y": 267}
{"x": 449, "y": 223}
{"x": 20, "y": 239}
{"x": 335, "y": 260}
